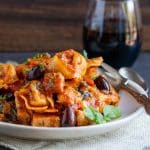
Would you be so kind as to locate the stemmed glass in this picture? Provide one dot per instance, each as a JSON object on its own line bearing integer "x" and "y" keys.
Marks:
{"x": 113, "y": 29}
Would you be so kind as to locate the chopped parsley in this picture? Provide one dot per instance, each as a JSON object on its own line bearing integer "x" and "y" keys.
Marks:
{"x": 38, "y": 55}
{"x": 51, "y": 83}
{"x": 86, "y": 94}
{"x": 13, "y": 111}
{"x": 83, "y": 83}
{"x": 42, "y": 67}
{"x": 85, "y": 54}
{"x": 109, "y": 113}
{"x": 33, "y": 85}
{"x": 26, "y": 70}
{"x": 2, "y": 97}
{"x": 94, "y": 78}
{"x": 1, "y": 108}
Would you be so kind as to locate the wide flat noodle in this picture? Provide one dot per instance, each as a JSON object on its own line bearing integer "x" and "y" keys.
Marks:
{"x": 70, "y": 96}
{"x": 23, "y": 115}
{"x": 94, "y": 62}
{"x": 34, "y": 100}
{"x": 7, "y": 74}
{"x": 70, "y": 63}
{"x": 45, "y": 120}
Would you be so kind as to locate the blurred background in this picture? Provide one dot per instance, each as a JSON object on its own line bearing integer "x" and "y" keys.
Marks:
{"x": 29, "y": 25}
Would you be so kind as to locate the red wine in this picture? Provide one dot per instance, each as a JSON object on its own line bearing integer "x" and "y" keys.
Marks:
{"x": 117, "y": 48}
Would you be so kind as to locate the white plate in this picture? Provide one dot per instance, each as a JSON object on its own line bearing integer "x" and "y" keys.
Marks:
{"x": 129, "y": 107}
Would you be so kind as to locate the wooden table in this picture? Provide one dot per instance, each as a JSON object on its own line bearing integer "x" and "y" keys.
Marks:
{"x": 49, "y": 24}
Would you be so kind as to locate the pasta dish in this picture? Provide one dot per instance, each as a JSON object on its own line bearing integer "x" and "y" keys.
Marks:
{"x": 63, "y": 90}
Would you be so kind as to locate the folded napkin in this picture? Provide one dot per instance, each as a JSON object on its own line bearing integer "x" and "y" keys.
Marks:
{"x": 135, "y": 136}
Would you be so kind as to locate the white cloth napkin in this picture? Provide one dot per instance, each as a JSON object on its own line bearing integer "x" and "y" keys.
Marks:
{"x": 135, "y": 136}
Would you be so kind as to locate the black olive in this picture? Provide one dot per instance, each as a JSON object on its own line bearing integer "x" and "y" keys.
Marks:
{"x": 11, "y": 117}
{"x": 68, "y": 117}
{"x": 4, "y": 91}
{"x": 35, "y": 73}
{"x": 55, "y": 98}
{"x": 102, "y": 84}
{"x": 8, "y": 117}
{"x": 7, "y": 95}
{"x": 10, "y": 97}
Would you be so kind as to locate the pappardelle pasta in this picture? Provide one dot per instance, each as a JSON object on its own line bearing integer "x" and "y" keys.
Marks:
{"x": 63, "y": 90}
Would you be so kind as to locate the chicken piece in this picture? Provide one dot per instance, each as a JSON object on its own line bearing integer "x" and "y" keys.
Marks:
{"x": 6, "y": 108}
{"x": 113, "y": 98}
{"x": 22, "y": 71}
{"x": 23, "y": 115}
{"x": 98, "y": 99}
{"x": 7, "y": 74}
{"x": 70, "y": 96}
{"x": 110, "y": 99}
{"x": 73, "y": 83}
{"x": 2, "y": 117}
{"x": 45, "y": 58}
{"x": 53, "y": 82}
{"x": 9, "y": 112}
{"x": 45, "y": 120}
{"x": 92, "y": 72}
{"x": 94, "y": 62}
{"x": 81, "y": 118}
{"x": 36, "y": 97}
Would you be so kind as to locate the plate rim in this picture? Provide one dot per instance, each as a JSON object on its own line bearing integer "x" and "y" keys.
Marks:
{"x": 112, "y": 123}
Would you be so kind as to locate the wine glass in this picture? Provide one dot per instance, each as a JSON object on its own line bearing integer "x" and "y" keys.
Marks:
{"x": 113, "y": 29}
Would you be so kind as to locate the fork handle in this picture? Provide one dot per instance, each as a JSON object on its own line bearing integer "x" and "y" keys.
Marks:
{"x": 141, "y": 98}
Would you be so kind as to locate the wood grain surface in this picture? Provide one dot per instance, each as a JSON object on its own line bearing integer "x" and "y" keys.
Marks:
{"x": 50, "y": 24}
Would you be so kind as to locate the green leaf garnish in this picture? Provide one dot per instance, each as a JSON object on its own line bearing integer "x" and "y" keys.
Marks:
{"x": 89, "y": 113}
{"x": 107, "y": 119}
{"x": 94, "y": 115}
{"x": 85, "y": 54}
{"x": 99, "y": 118}
{"x": 111, "y": 112}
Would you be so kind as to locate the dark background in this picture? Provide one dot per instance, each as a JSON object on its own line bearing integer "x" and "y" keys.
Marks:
{"x": 49, "y": 24}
